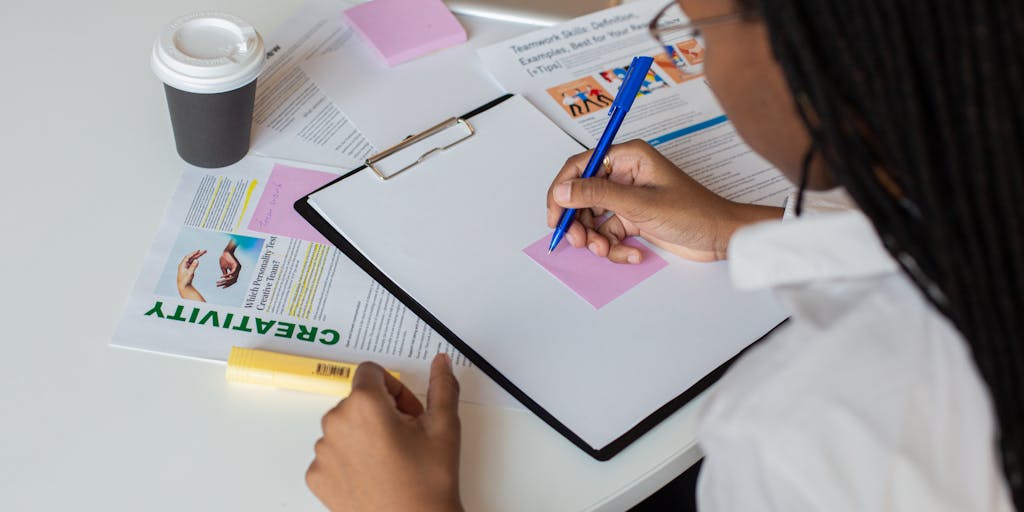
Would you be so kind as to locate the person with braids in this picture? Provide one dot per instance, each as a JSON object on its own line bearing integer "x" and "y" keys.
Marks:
{"x": 898, "y": 384}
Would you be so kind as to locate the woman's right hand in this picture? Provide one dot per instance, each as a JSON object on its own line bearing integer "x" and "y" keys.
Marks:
{"x": 650, "y": 197}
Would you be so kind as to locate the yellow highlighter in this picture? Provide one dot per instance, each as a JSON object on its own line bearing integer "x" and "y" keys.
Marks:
{"x": 291, "y": 372}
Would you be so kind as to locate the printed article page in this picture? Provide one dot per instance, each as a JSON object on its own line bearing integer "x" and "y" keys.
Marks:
{"x": 293, "y": 118}
{"x": 572, "y": 71}
{"x": 234, "y": 264}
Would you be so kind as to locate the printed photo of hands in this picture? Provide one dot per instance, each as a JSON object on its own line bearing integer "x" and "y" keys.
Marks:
{"x": 207, "y": 265}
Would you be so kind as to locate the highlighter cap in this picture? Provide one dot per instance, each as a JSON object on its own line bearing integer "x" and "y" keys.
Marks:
{"x": 242, "y": 367}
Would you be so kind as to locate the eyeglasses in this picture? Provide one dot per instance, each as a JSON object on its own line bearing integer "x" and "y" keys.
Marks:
{"x": 682, "y": 40}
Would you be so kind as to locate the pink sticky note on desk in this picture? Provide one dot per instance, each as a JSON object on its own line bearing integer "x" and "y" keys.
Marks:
{"x": 402, "y": 30}
{"x": 595, "y": 279}
{"x": 275, "y": 214}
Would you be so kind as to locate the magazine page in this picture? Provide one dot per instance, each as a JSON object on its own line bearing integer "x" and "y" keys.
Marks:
{"x": 292, "y": 118}
{"x": 234, "y": 265}
{"x": 572, "y": 72}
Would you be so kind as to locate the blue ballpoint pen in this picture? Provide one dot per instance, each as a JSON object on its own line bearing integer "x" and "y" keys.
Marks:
{"x": 620, "y": 106}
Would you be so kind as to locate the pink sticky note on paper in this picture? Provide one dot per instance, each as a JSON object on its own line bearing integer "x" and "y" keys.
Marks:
{"x": 402, "y": 30}
{"x": 275, "y": 213}
{"x": 595, "y": 279}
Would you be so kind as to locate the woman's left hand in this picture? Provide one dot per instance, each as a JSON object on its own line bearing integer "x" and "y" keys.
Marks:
{"x": 381, "y": 450}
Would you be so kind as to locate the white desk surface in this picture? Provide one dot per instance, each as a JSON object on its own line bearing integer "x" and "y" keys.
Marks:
{"x": 88, "y": 168}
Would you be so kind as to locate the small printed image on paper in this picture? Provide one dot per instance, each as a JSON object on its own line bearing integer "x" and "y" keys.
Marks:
{"x": 582, "y": 96}
{"x": 210, "y": 266}
{"x": 616, "y": 75}
{"x": 675, "y": 59}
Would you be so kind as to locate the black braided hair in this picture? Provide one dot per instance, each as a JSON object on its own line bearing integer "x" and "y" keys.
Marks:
{"x": 918, "y": 109}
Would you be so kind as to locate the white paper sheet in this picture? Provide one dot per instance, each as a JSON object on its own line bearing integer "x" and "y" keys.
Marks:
{"x": 451, "y": 232}
{"x": 388, "y": 104}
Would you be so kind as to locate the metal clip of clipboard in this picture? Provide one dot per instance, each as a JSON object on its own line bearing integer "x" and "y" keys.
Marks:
{"x": 443, "y": 135}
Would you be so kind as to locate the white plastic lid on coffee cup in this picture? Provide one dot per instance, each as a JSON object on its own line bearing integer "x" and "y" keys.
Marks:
{"x": 208, "y": 52}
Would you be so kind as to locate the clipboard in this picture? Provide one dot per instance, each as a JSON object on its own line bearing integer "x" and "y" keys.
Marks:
{"x": 446, "y": 138}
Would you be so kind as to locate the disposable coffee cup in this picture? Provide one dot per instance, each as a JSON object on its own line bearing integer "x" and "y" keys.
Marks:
{"x": 209, "y": 62}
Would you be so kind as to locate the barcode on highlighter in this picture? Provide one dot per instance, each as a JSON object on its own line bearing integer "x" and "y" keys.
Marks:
{"x": 330, "y": 370}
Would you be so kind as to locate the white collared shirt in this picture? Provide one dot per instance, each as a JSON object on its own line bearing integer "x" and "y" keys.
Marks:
{"x": 866, "y": 400}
